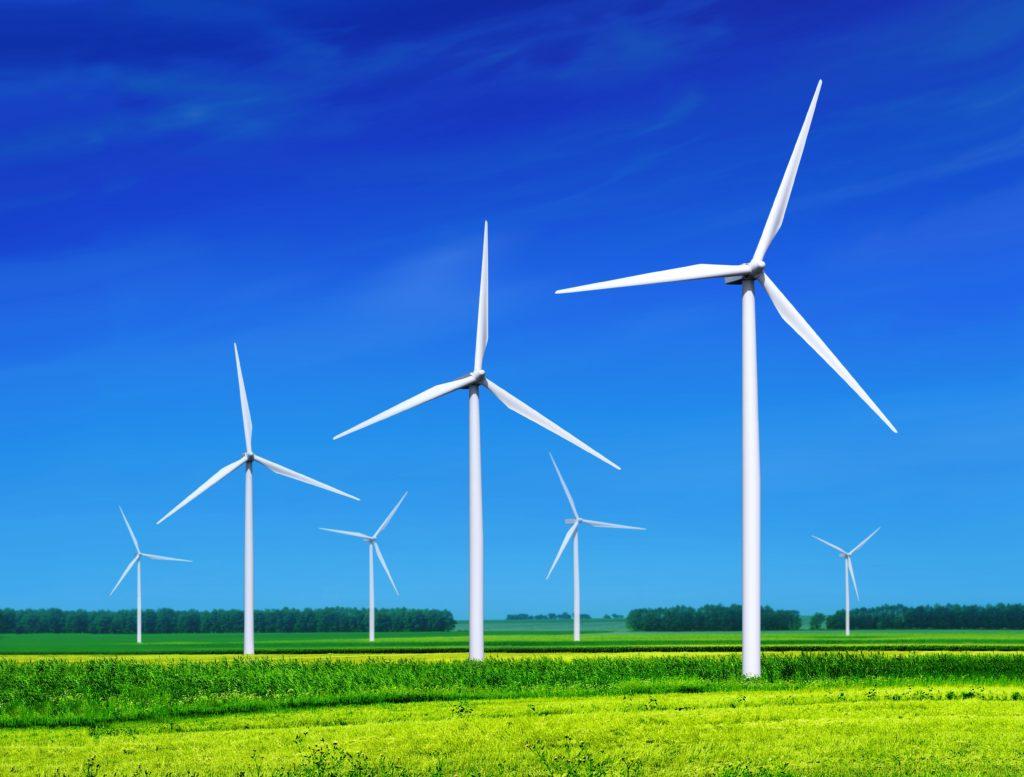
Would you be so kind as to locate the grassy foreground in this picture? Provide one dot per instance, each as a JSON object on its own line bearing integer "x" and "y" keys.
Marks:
{"x": 686, "y": 713}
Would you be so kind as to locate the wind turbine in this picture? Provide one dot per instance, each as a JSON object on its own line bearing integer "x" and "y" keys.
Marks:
{"x": 847, "y": 557}
{"x": 374, "y": 548}
{"x": 473, "y": 382}
{"x": 574, "y": 534}
{"x": 746, "y": 275}
{"x": 137, "y": 563}
{"x": 247, "y": 461}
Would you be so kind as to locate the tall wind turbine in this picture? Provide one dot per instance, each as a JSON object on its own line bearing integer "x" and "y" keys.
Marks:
{"x": 473, "y": 382}
{"x": 574, "y": 534}
{"x": 847, "y": 557}
{"x": 374, "y": 548}
{"x": 137, "y": 563}
{"x": 247, "y": 461}
{"x": 746, "y": 275}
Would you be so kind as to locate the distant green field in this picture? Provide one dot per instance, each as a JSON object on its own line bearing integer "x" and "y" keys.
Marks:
{"x": 510, "y": 636}
{"x": 819, "y": 713}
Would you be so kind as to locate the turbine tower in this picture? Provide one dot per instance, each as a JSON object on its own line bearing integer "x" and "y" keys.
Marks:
{"x": 847, "y": 557}
{"x": 574, "y": 534}
{"x": 473, "y": 382}
{"x": 137, "y": 563}
{"x": 746, "y": 276}
{"x": 248, "y": 459}
{"x": 374, "y": 548}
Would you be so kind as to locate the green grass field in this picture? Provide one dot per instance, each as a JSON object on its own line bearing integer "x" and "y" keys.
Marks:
{"x": 940, "y": 703}
{"x": 510, "y": 636}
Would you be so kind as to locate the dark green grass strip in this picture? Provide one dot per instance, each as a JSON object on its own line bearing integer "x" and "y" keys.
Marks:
{"x": 55, "y": 691}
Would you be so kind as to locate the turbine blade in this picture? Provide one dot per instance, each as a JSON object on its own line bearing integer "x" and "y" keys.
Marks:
{"x": 217, "y": 476}
{"x": 518, "y": 406}
{"x": 864, "y": 541}
{"x": 358, "y": 534}
{"x": 565, "y": 488}
{"x": 692, "y": 272}
{"x": 778, "y": 211}
{"x": 165, "y": 558}
{"x": 244, "y": 398}
{"x": 277, "y": 469}
{"x": 135, "y": 541}
{"x": 561, "y": 548}
{"x": 606, "y": 525}
{"x": 483, "y": 311}
{"x": 826, "y": 542}
{"x": 423, "y": 397}
{"x": 124, "y": 574}
{"x": 853, "y": 577}
{"x": 797, "y": 323}
{"x": 384, "y": 564}
{"x": 390, "y": 516}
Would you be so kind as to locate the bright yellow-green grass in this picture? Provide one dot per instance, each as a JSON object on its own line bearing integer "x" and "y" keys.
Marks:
{"x": 815, "y": 713}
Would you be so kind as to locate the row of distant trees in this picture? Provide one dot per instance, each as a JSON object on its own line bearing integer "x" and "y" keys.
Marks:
{"x": 556, "y": 616}
{"x": 710, "y": 617}
{"x": 167, "y": 621}
{"x": 928, "y": 616}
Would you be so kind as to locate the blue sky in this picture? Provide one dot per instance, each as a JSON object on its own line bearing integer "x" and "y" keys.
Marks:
{"x": 311, "y": 179}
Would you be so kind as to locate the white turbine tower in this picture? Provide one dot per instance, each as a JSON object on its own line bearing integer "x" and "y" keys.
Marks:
{"x": 847, "y": 557}
{"x": 247, "y": 461}
{"x": 137, "y": 563}
{"x": 746, "y": 275}
{"x": 473, "y": 382}
{"x": 574, "y": 534}
{"x": 374, "y": 548}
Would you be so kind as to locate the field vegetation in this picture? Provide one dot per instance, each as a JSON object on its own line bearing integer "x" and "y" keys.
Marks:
{"x": 534, "y": 636}
{"x": 926, "y": 713}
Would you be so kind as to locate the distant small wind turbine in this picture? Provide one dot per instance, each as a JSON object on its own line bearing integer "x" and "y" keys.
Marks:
{"x": 847, "y": 557}
{"x": 137, "y": 563}
{"x": 473, "y": 382}
{"x": 247, "y": 460}
{"x": 374, "y": 548}
{"x": 574, "y": 534}
{"x": 747, "y": 276}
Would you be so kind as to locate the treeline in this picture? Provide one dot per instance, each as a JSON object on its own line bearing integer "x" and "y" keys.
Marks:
{"x": 167, "y": 621}
{"x": 710, "y": 617}
{"x": 932, "y": 616}
{"x": 556, "y": 616}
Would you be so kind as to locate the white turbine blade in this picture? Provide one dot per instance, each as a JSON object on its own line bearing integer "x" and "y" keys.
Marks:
{"x": 124, "y": 574}
{"x": 797, "y": 323}
{"x": 778, "y": 211}
{"x": 244, "y": 398}
{"x": 853, "y": 577}
{"x": 864, "y": 541}
{"x": 390, "y": 516}
{"x": 826, "y": 542}
{"x": 606, "y": 525}
{"x": 135, "y": 541}
{"x": 692, "y": 272}
{"x": 217, "y": 476}
{"x": 565, "y": 488}
{"x": 483, "y": 311}
{"x": 527, "y": 412}
{"x": 561, "y": 548}
{"x": 424, "y": 396}
{"x": 358, "y": 534}
{"x": 277, "y": 469}
{"x": 384, "y": 564}
{"x": 165, "y": 558}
